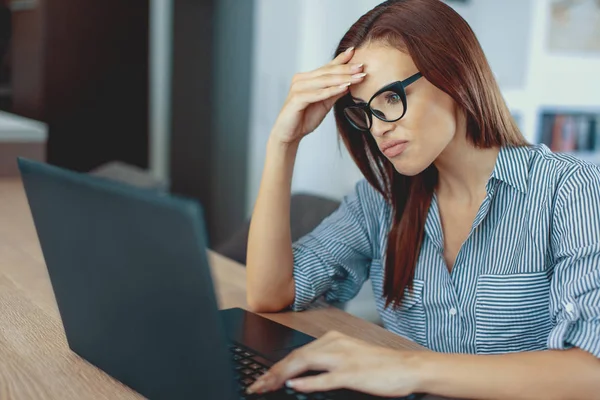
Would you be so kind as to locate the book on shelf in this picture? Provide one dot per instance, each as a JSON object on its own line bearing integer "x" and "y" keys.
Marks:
{"x": 571, "y": 132}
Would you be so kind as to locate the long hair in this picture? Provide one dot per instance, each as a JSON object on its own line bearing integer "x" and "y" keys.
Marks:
{"x": 447, "y": 53}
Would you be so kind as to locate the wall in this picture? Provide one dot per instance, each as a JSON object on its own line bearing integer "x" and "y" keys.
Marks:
{"x": 274, "y": 63}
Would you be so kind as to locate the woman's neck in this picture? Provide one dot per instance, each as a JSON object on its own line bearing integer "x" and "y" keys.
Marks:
{"x": 464, "y": 171}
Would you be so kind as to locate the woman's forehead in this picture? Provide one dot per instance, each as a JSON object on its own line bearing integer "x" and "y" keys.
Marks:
{"x": 383, "y": 65}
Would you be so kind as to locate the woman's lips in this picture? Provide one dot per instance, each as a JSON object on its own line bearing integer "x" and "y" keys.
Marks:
{"x": 395, "y": 149}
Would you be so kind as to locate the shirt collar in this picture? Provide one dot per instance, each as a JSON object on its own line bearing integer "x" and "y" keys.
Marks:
{"x": 512, "y": 167}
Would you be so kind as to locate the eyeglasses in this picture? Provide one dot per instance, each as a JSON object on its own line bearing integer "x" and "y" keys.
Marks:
{"x": 388, "y": 105}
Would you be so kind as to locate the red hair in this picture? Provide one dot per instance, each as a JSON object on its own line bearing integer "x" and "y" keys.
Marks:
{"x": 447, "y": 53}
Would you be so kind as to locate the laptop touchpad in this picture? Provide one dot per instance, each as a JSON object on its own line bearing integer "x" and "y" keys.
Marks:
{"x": 260, "y": 334}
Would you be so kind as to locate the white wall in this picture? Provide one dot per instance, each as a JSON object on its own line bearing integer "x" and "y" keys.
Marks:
{"x": 274, "y": 64}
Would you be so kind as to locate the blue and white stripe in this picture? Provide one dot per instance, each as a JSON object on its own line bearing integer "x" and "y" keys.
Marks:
{"x": 527, "y": 277}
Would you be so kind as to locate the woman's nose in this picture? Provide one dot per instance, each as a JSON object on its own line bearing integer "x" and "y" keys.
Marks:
{"x": 379, "y": 128}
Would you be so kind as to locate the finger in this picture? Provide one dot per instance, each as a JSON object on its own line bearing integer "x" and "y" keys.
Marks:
{"x": 320, "y": 383}
{"x": 344, "y": 69}
{"x": 343, "y": 57}
{"x": 338, "y": 65}
{"x": 314, "y": 96}
{"x": 328, "y": 80}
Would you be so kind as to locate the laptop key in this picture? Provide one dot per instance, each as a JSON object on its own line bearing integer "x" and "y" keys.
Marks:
{"x": 263, "y": 361}
{"x": 247, "y": 381}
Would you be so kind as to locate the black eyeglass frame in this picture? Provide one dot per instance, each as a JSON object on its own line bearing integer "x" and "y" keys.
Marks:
{"x": 398, "y": 87}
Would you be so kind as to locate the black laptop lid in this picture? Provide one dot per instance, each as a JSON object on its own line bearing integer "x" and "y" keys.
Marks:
{"x": 130, "y": 275}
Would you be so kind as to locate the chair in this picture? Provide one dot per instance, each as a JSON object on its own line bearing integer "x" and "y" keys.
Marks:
{"x": 306, "y": 212}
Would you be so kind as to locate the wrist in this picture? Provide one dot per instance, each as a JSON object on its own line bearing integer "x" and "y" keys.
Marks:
{"x": 275, "y": 144}
{"x": 421, "y": 364}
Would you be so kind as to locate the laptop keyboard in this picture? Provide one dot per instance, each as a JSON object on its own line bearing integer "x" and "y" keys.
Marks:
{"x": 250, "y": 366}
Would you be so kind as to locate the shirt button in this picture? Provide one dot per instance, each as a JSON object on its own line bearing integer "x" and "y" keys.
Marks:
{"x": 453, "y": 311}
{"x": 570, "y": 307}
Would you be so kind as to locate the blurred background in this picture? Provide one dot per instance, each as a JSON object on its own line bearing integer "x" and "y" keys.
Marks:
{"x": 180, "y": 95}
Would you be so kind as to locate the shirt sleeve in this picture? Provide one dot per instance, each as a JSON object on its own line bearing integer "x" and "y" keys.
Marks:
{"x": 575, "y": 286}
{"x": 334, "y": 259}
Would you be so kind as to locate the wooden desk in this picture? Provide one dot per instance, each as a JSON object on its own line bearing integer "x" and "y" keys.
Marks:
{"x": 35, "y": 361}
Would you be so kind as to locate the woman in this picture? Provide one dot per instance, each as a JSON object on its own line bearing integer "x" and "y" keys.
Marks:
{"x": 479, "y": 246}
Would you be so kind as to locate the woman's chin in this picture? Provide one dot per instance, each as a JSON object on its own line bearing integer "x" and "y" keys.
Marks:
{"x": 408, "y": 169}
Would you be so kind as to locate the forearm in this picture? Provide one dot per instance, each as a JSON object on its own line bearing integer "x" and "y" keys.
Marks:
{"x": 570, "y": 374}
{"x": 270, "y": 283}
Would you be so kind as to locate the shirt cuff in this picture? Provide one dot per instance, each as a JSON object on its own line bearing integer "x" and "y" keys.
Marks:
{"x": 579, "y": 333}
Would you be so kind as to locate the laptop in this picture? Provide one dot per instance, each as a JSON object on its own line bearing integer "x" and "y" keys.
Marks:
{"x": 130, "y": 274}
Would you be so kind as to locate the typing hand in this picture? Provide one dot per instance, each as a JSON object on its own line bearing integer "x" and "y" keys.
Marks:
{"x": 347, "y": 363}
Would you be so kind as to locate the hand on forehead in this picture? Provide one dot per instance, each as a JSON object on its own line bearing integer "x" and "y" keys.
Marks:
{"x": 383, "y": 65}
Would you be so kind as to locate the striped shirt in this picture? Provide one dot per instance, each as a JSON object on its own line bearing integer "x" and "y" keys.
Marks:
{"x": 526, "y": 278}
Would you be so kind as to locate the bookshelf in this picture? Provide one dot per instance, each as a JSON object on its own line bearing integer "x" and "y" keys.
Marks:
{"x": 573, "y": 131}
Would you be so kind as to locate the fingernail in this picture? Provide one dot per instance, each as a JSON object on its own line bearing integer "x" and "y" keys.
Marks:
{"x": 344, "y": 85}
{"x": 289, "y": 384}
{"x": 358, "y": 76}
{"x": 357, "y": 67}
{"x": 349, "y": 49}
